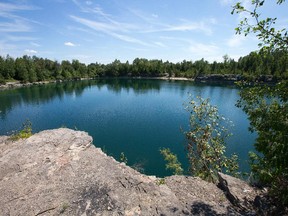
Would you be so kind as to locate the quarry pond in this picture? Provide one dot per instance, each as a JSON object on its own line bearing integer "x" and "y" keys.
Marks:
{"x": 133, "y": 116}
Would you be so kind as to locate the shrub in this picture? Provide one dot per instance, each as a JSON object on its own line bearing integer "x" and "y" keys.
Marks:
{"x": 172, "y": 161}
{"x": 206, "y": 141}
{"x": 25, "y": 133}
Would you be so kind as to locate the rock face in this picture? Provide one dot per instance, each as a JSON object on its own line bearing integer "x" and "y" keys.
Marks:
{"x": 60, "y": 172}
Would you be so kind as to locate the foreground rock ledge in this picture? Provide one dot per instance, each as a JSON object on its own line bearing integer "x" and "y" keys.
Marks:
{"x": 60, "y": 172}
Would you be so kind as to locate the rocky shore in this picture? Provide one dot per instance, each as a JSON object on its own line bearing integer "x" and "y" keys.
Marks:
{"x": 209, "y": 79}
{"x": 60, "y": 172}
{"x": 18, "y": 84}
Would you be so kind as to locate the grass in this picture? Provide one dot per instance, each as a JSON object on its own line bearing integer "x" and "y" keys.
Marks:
{"x": 25, "y": 133}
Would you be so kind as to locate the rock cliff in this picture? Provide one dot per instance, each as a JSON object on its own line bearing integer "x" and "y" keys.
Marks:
{"x": 60, "y": 172}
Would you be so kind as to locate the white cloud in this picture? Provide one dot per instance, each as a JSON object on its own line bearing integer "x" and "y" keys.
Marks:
{"x": 236, "y": 40}
{"x": 14, "y": 23}
{"x": 69, "y": 44}
{"x": 226, "y": 2}
{"x": 190, "y": 27}
{"x": 31, "y": 51}
{"x": 87, "y": 8}
{"x": 183, "y": 26}
{"x": 160, "y": 44}
{"x": 15, "y": 7}
{"x": 111, "y": 29}
{"x": 104, "y": 26}
{"x": 19, "y": 38}
{"x": 209, "y": 52}
{"x": 155, "y": 15}
{"x": 203, "y": 49}
{"x": 89, "y": 2}
{"x": 128, "y": 39}
{"x": 35, "y": 44}
{"x": 6, "y": 47}
{"x": 16, "y": 26}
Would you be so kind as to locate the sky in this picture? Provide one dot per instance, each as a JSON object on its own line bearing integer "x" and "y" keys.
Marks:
{"x": 104, "y": 30}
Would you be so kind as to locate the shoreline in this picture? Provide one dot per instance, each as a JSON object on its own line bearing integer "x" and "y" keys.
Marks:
{"x": 206, "y": 79}
{"x": 18, "y": 84}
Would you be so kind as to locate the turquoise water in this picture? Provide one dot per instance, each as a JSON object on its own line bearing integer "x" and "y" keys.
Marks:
{"x": 136, "y": 117}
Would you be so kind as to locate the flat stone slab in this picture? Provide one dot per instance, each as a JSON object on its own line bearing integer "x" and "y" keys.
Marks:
{"x": 60, "y": 172}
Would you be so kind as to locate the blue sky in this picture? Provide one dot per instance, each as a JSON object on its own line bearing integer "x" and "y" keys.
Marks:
{"x": 105, "y": 30}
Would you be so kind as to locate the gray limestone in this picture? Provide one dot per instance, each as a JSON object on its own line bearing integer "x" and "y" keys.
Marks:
{"x": 60, "y": 172}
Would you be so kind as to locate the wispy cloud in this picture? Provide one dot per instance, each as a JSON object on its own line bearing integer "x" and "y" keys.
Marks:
{"x": 226, "y": 2}
{"x": 236, "y": 40}
{"x": 211, "y": 51}
{"x": 202, "y": 49}
{"x": 128, "y": 39}
{"x": 8, "y": 7}
{"x": 5, "y": 47}
{"x": 189, "y": 26}
{"x": 19, "y": 38}
{"x": 160, "y": 44}
{"x": 13, "y": 22}
{"x": 109, "y": 29}
{"x": 88, "y": 7}
{"x": 15, "y": 26}
{"x": 31, "y": 51}
{"x": 35, "y": 44}
{"x": 98, "y": 26}
{"x": 89, "y": 3}
{"x": 105, "y": 20}
{"x": 69, "y": 44}
{"x": 152, "y": 23}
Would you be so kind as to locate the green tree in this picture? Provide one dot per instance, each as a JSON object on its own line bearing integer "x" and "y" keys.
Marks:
{"x": 267, "y": 107}
{"x": 267, "y": 110}
{"x": 206, "y": 141}
{"x": 9, "y": 67}
{"x": 21, "y": 71}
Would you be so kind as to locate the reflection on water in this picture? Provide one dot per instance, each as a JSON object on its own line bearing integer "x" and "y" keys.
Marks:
{"x": 44, "y": 94}
{"x": 136, "y": 117}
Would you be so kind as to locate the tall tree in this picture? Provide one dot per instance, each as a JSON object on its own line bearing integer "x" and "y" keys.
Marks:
{"x": 267, "y": 107}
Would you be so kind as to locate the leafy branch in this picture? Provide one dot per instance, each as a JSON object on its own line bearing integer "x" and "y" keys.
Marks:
{"x": 264, "y": 28}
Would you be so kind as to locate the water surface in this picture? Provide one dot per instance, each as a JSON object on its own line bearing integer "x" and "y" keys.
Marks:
{"x": 136, "y": 117}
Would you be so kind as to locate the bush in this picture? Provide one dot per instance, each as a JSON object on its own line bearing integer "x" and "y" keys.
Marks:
{"x": 206, "y": 141}
{"x": 206, "y": 144}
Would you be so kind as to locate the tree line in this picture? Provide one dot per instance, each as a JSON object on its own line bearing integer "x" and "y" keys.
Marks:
{"x": 33, "y": 69}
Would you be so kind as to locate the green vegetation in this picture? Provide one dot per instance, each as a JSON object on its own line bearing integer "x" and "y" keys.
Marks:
{"x": 267, "y": 107}
{"x": 160, "y": 181}
{"x": 206, "y": 141}
{"x": 123, "y": 158}
{"x": 271, "y": 38}
{"x": 25, "y": 133}
{"x": 251, "y": 67}
{"x": 172, "y": 161}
